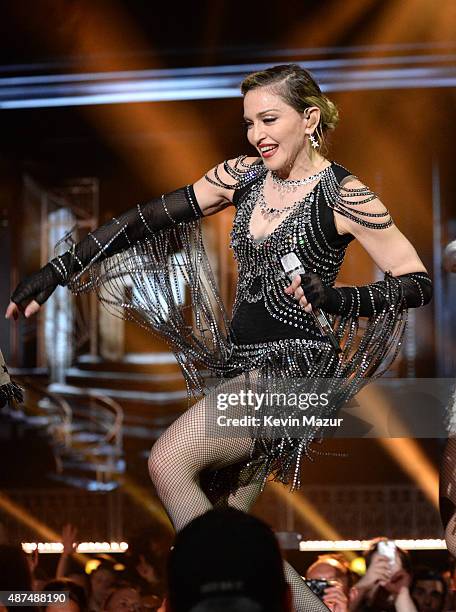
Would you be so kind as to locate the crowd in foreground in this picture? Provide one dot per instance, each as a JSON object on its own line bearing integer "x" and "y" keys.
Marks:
{"x": 228, "y": 561}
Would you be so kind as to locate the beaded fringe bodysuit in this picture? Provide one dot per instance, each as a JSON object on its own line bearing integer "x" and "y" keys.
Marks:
{"x": 269, "y": 338}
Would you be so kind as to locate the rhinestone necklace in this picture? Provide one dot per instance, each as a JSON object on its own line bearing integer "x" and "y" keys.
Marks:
{"x": 284, "y": 186}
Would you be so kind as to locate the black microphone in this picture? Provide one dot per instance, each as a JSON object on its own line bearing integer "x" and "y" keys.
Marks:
{"x": 292, "y": 266}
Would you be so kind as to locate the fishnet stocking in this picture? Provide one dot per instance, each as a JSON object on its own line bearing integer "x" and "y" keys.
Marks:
{"x": 187, "y": 449}
{"x": 448, "y": 494}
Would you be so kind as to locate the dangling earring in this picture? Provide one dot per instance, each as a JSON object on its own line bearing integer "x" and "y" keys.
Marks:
{"x": 313, "y": 141}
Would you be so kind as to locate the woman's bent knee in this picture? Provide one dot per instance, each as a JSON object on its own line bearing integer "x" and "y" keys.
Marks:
{"x": 168, "y": 465}
{"x": 159, "y": 463}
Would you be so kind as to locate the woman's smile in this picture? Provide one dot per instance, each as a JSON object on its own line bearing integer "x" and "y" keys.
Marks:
{"x": 267, "y": 150}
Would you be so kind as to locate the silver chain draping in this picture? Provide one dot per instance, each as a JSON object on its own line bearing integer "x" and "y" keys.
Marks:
{"x": 261, "y": 276}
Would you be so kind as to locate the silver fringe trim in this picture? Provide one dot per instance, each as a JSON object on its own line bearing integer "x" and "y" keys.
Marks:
{"x": 11, "y": 392}
{"x": 199, "y": 335}
{"x": 197, "y": 332}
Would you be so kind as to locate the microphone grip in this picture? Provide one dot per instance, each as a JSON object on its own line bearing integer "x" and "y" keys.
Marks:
{"x": 319, "y": 316}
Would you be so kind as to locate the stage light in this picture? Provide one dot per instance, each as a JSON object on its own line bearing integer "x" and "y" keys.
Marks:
{"x": 351, "y": 545}
{"x": 119, "y": 567}
{"x": 83, "y": 547}
{"x": 358, "y": 566}
{"x": 92, "y": 565}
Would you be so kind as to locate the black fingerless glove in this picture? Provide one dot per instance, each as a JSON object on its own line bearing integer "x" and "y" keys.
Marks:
{"x": 121, "y": 233}
{"x": 366, "y": 300}
{"x": 39, "y": 286}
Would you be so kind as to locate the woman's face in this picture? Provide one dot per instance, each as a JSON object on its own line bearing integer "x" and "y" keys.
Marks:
{"x": 275, "y": 129}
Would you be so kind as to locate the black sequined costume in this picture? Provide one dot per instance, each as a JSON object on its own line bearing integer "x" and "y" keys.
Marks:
{"x": 269, "y": 333}
{"x": 274, "y": 336}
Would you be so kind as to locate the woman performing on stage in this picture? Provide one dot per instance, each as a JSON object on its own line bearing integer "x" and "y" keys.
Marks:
{"x": 289, "y": 200}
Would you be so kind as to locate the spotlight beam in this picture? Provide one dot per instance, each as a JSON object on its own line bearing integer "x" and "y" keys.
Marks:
{"x": 22, "y": 516}
{"x": 404, "y": 450}
{"x": 95, "y": 88}
{"x": 307, "y": 511}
